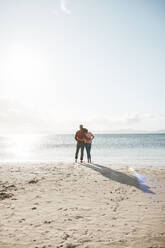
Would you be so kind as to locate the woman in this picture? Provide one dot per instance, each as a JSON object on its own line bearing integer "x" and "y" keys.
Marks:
{"x": 88, "y": 143}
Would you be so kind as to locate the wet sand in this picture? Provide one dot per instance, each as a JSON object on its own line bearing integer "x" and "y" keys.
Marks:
{"x": 66, "y": 205}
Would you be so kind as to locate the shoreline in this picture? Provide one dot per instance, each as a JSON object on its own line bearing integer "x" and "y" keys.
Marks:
{"x": 66, "y": 205}
{"x": 64, "y": 163}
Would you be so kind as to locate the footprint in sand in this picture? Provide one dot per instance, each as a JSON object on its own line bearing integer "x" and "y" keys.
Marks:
{"x": 34, "y": 208}
{"x": 20, "y": 221}
{"x": 48, "y": 221}
{"x": 33, "y": 181}
{"x": 65, "y": 236}
{"x": 79, "y": 217}
{"x": 38, "y": 196}
{"x": 4, "y": 195}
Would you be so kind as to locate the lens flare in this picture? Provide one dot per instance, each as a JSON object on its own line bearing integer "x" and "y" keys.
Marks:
{"x": 142, "y": 180}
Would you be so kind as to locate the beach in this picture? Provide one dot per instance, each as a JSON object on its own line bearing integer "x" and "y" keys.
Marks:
{"x": 90, "y": 205}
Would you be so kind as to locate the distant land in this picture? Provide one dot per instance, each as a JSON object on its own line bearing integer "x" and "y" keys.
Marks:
{"x": 133, "y": 131}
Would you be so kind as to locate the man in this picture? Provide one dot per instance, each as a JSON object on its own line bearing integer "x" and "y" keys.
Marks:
{"x": 80, "y": 138}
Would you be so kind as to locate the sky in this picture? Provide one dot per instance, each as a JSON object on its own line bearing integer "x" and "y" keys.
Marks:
{"x": 94, "y": 62}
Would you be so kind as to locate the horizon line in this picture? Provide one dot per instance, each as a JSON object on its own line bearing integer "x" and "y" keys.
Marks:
{"x": 72, "y": 133}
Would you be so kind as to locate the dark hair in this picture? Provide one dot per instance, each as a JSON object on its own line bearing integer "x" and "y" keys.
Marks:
{"x": 81, "y": 126}
{"x": 85, "y": 130}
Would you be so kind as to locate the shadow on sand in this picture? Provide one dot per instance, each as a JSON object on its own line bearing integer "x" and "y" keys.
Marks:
{"x": 120, "y": 177}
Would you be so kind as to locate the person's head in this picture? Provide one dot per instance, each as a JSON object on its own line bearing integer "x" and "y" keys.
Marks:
{"x": 85, "y": 130}
{"x": 81, "y": 127}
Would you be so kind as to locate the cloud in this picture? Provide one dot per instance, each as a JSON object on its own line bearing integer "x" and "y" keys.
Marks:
{"x": 134, "y": 122}
{"x": 64, "y": 8}
{"x": 18, "y": 118}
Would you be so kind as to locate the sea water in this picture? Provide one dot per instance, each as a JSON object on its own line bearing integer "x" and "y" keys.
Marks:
{"x": 127, "y": 149}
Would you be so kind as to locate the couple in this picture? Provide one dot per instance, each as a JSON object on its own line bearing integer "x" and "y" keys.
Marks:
{"x": 84, "y": 139}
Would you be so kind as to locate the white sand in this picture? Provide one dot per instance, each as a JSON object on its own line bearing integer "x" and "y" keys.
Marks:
{"x": 63, "y": 205}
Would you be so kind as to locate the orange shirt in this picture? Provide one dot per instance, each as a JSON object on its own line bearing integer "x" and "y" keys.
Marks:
{"x": 79, "y": 136}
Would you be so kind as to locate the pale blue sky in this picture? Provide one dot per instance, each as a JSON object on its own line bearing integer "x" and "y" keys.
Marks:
{"x": 99, "y": 62}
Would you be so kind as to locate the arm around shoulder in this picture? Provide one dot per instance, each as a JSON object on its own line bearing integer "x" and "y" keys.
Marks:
{"x": 92, "y": 136}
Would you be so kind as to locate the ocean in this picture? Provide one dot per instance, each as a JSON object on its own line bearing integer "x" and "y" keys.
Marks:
{"x": 119, "y": 149}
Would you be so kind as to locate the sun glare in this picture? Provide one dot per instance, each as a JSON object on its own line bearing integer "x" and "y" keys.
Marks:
{"x": 22, "y": 146}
